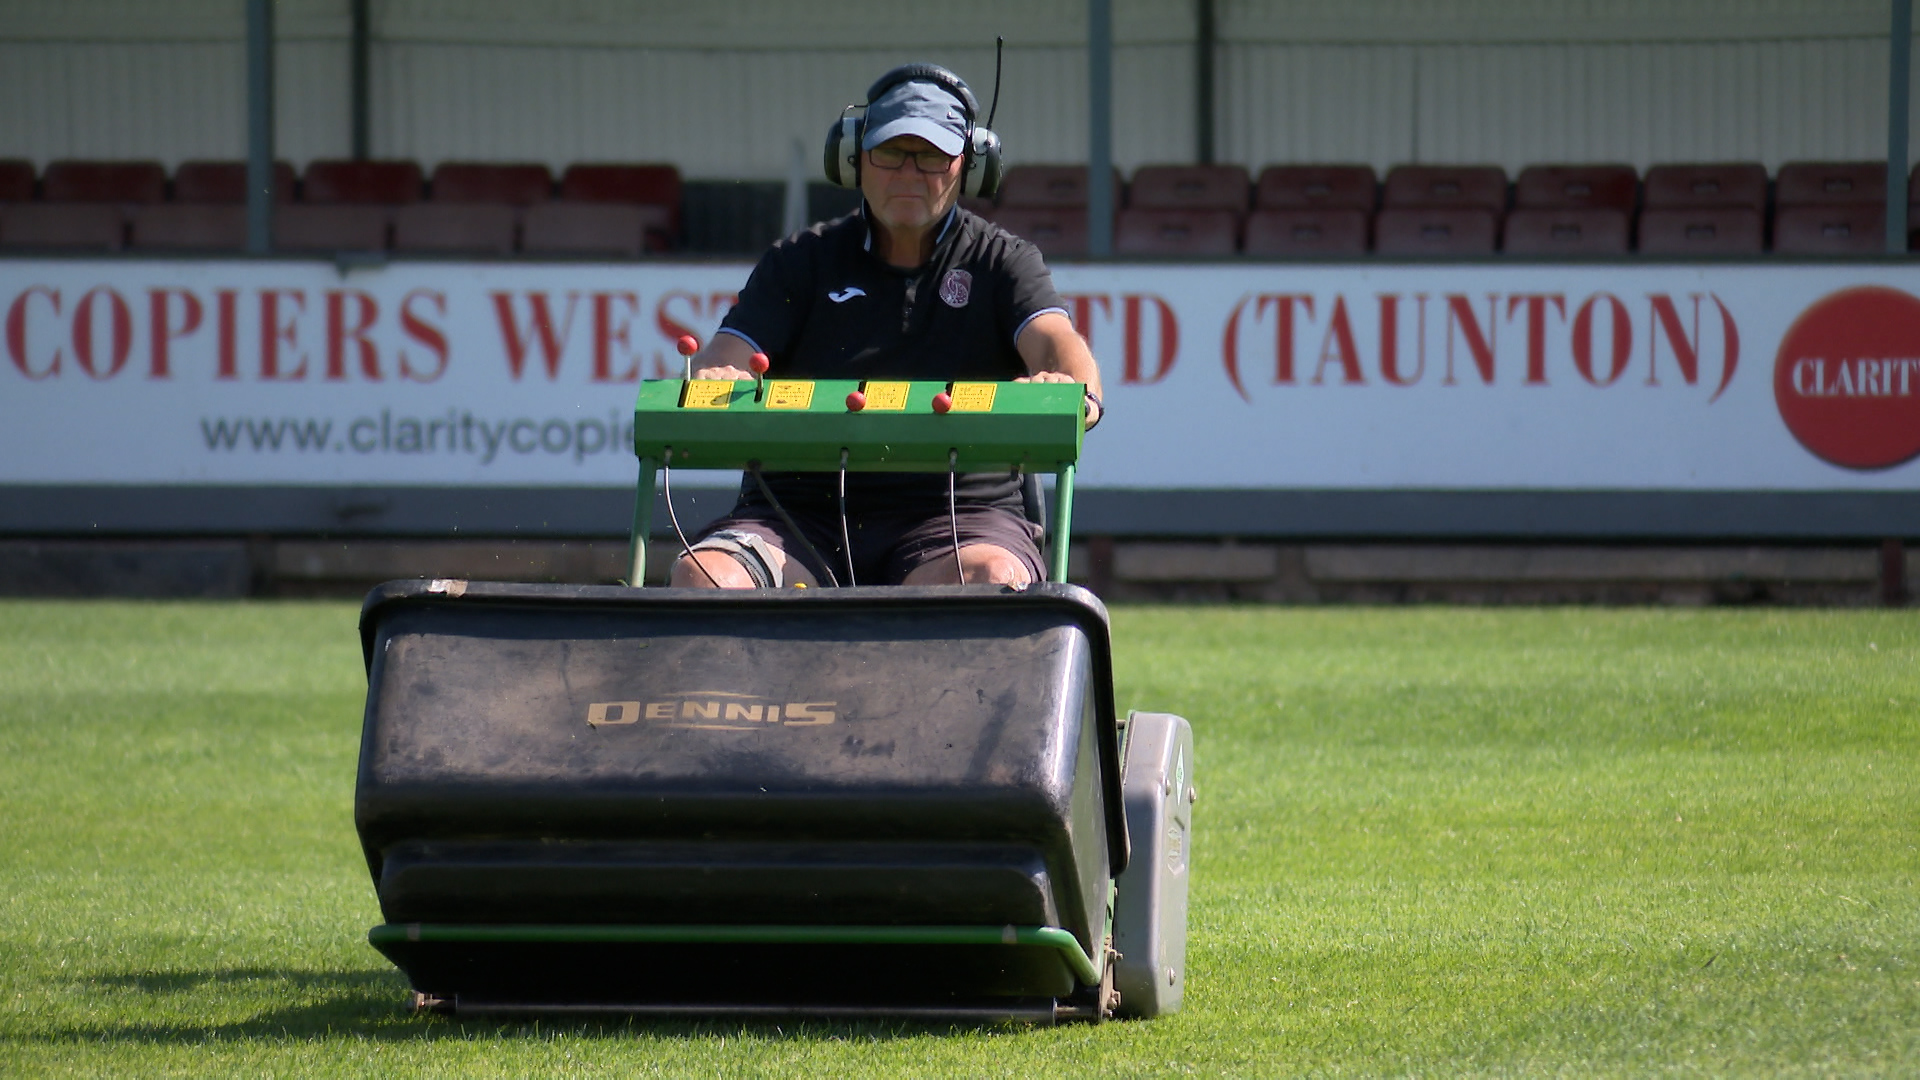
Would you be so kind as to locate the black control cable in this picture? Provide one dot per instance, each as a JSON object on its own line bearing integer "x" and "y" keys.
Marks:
{"x": 813, "y": 554}
{"x": 953, "y": 515}
{"x": 846, "y": 543}
{"x": 666, "y": 485}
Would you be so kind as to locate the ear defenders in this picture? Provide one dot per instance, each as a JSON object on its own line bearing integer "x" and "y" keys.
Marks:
{"x": 981, "y": 171}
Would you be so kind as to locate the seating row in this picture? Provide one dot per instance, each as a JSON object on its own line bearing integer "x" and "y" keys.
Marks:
{"x": 584, "y": 230}
{"x": 1443, "y": 231}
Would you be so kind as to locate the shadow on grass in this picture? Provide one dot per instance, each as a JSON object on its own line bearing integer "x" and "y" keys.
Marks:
{"x": 372, "y": 1004}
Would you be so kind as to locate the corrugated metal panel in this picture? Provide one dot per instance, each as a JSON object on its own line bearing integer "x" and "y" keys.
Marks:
{"x": 164, "y": 100}
{"x": 735, "y": 113}
{"x": 1316, "y": 103}
{"x": 1765, "y": 101}
{"x": 1589, "y": 21}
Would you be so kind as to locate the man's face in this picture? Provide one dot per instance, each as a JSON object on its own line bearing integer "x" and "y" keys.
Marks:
{"x": 905, "y": 197}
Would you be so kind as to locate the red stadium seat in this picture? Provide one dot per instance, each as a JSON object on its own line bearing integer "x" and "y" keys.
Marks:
{"x": 1483, "y": 186}
{"x": 190, "y": 227}
{"x": 76, "y": 226}
{"x": 1190, "y": 187}
{"x": 104, "y": 182}
{"x": 1169, "y": 231}
{"x": 1702, "y": 230}
{"x": 1830, "y": 183}
{"x": 225, "y": 182}
{"x": 16, "y": 181}
{"x": 1318, "y": 187}
{"x": 1567, "y": 187}
{"x": 382, "y": 183}
{"x": 454, "y": 228}
{"x": 1058, "y": 231}
{"x": 335, "y": 227}
{"x": 1307, "y": 232}
{"x": 603, "y": 229}
{"x": 646, "y": 185}
{"x": 1860, "y": 229}
{"x": 511, "y": 185}
{"x": 1572, "y": 231}
{"x": 1729, "y": 184}
{"x": 1435, "y": 230}
{"x": 1058, "y": 186}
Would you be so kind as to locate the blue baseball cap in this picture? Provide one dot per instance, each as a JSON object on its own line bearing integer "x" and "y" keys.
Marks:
{"x": 918, "y": 108}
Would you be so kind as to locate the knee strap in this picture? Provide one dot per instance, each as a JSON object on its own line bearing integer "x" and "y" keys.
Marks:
{"x": 751, "y": 551}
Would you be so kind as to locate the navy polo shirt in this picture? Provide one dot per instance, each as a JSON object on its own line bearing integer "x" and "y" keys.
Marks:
{"x": 822, "y": 305}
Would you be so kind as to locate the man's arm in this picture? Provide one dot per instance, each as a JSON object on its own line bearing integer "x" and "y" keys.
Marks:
{"x": 1054, "y": 352}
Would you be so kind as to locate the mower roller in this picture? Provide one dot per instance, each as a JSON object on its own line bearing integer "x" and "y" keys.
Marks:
{"x": 835, "y": 802}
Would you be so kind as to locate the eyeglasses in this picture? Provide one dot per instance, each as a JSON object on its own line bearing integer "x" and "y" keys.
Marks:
{"x": 926, "y": 161}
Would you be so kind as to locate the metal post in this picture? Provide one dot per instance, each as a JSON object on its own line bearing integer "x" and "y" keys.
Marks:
{"x": 1100, "y": 128}
{"x": 259, "y": 127}
{"x": 642, "y": 523}
{"x": 1062, "y": 521}
{"x": 358, "y": 77}
{"x": 1899, "y": 92}
{"x": 1203, "y": 83}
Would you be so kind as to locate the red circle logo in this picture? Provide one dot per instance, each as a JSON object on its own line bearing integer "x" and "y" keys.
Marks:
{"x": 1847, "y": 378}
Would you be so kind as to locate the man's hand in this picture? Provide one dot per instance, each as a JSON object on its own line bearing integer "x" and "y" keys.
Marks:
{"x": 729, "y": 372}
{"x": 725, "y": 357}
{"x": 1055, "y": 353}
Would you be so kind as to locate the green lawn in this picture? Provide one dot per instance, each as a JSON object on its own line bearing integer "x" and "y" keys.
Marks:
{"x": 1430, "y": 841}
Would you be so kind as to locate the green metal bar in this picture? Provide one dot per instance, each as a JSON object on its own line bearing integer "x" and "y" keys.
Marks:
{"x": 1051, "y": 937}
{"x": 1062, "y": 519}
{"x": 642, "y": 524}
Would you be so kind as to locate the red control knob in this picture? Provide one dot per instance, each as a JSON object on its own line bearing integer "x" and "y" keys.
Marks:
{"x": 688, "y": 345}
{"x": 943, "y": 402}
{"x": 759, "y": 363}
{"x": 856, "y": 401}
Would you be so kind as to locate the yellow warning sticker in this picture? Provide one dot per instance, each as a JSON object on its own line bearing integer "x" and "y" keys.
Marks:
{"x": 973, "y": 396}
{"x": 891, "y": 396}
{"x": 790, "y": 394}
{"x": 707, "y": 394}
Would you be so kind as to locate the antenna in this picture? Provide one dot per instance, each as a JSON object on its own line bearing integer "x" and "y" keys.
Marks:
{"x": 999, "y": 45}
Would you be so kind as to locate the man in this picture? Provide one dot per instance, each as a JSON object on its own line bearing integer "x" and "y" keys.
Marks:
{"x": 911, "y": 286}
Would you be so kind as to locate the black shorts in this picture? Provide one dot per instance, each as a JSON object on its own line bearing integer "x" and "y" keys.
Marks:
{"x": 888, "y": 547}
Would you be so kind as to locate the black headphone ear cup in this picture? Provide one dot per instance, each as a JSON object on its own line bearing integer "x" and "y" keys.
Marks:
{"x": 842, "y": 157}
{"x": 985, "y": 165}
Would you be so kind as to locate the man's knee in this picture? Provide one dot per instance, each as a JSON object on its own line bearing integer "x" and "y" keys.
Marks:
{"x": 980, "y": 564}
{"x": 709, "y": 569}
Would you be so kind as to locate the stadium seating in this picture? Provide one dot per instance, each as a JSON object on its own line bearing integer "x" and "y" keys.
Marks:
{"x": 1573, "y": 232}
{"x": 226, "y": 182}
{"x": 1190, "y": 187}
{"x": 1057, "y": 186}
{"x": 1167, "y": 231}
{"x": 76, "y": 226}
{"x": 1859, "y": 229}
{"x": 1481, "y": 186}
{"x": 1701, "y": 230}
{"x": 330, "y": 228}
{"x": 189, "y": 227}
{"x": 644, "y": 185}
{"x": 1571, "y": 187}
{"x": 1740, "y": 184}
{"x": 16, "y": 181}
{"x": 599, "y": 230}
{"x": 1059, "y": 232}
{"x": 1440, "y": 231}
{"x": 508, "y": 185}
{"x": 127, "y": 182}
{"x": 454, "y": 228}
{"x": 1831, "y": 183}
{"x": 1316, "y": 187}
{"x": 1316, "y": 232}
{"x": 382, "y": 183}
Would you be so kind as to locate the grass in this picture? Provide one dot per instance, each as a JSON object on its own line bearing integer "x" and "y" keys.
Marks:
{"x": 1429, "y": 842}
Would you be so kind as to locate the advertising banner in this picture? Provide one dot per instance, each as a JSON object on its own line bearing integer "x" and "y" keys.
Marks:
{"x": 1722, "y": 377}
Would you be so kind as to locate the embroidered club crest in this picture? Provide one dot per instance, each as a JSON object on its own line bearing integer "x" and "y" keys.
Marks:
{"x": 956, "y": 287}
